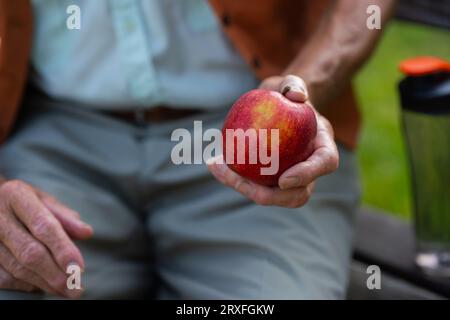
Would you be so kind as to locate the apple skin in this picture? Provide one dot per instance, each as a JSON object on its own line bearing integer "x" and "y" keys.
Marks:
{"x": 264, "y": 109}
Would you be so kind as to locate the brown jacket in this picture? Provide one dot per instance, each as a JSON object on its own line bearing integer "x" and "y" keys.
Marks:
{"x": 256, "y": 28}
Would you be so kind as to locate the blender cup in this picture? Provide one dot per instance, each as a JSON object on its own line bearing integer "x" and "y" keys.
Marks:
{"x": 425, "y": 115}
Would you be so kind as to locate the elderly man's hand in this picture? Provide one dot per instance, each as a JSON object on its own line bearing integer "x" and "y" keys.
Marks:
{"x": 296, "y": 184}
{"x": 35, "y": 244}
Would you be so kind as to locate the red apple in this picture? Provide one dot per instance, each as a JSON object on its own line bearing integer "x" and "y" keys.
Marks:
{"x": 263, "y": 109}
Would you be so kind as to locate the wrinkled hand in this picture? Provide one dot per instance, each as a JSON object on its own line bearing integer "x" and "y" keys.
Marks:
{"x": 296, "y": 184}
{"x": 35, "y": 244}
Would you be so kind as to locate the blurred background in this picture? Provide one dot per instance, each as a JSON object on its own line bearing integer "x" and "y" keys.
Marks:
{"x": 381, "y": 154}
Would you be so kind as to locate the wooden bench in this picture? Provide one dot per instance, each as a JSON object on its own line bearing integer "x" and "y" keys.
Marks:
{"x": 389, "y": 243}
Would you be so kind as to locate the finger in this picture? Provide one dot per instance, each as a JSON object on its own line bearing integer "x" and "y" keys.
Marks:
{"x": 261, "y": 195}
{"x": 20, "y": 272}
{"x": 8, "y": 282}
{"x": 52, "y": 203}
{"x": 298, "y": 196}
{"x": 271, "y": 83}
{"x": 45, "y": 228}
{"x": 291, "y": 198}
{"x": 324, "y": 160}
{"x": 294, "y": 88}
{"x": 228, "y": 177}
{"x": 224, "y": 174}
{"x": 32, "y": 254}
{"x": 69, "y": 219}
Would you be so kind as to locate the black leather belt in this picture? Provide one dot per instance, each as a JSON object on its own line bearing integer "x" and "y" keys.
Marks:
{"x": 155, "y": 114}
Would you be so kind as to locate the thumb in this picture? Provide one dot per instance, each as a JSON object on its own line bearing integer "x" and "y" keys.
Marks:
{"x": 294, "y": 88}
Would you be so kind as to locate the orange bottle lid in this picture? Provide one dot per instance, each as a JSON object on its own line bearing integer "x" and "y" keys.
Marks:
{"x": 421, "y": 66}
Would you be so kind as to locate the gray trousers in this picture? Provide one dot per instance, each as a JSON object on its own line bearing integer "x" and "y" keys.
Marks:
{"x": 170, "y": 231}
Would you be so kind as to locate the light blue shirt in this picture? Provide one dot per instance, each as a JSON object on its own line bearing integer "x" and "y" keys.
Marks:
{"x": 137, "y": 53}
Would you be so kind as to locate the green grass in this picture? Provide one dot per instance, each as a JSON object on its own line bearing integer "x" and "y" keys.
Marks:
{"x": 381, "y": 154}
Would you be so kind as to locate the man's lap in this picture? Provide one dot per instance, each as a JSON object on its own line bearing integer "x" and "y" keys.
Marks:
{"x": 208, "y": 241}
{"x": 219, "y": 245}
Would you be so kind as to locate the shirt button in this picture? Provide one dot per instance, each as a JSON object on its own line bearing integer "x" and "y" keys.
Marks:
{"x": 226, "y": 20}
{"x": 256, "y": 62}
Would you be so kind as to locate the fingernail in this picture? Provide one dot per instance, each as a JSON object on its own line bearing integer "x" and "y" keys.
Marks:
{"x": 298, "y": 90}
{"x": 289, "y": 182}
{"x": 245, "y": 188}
{"x": 295, "y": 92}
